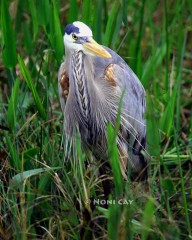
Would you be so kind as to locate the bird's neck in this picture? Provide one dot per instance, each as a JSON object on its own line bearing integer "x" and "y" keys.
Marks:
{"x": 81, "y": 80}
{"x": 88, "y": 62}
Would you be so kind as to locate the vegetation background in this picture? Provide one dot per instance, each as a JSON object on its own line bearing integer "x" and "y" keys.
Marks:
{"x": 40, "y": 197}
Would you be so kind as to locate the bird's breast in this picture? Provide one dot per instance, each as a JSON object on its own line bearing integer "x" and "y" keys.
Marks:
{"x": 91, "y": 104}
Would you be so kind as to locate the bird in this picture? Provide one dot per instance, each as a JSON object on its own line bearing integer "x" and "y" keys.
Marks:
{"x": 92, "y": 79}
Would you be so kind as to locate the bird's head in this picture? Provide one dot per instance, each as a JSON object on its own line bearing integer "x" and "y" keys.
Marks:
{"x": 78, "y": 36}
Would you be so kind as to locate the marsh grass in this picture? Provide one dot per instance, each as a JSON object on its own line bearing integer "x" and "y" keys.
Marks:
{"x": 43, "y": 197}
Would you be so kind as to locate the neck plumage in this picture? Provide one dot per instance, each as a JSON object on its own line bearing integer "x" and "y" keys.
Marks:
{"x": 81, "y": 77}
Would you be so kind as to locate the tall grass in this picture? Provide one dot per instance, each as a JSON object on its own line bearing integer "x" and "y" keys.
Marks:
{"x": 43, "y": 197}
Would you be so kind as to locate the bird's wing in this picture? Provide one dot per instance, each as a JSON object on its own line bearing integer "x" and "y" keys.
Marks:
{"x": 123, "y": 78}
{"x": 63, "y": 85}
{"x": 119, "y": 74}
{"x": 133, "y": 128}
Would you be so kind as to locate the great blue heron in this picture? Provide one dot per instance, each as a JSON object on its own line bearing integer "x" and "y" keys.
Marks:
{"x": 91, "y": 81}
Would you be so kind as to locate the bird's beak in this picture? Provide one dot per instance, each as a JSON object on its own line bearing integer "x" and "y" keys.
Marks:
{"x": 93, "y": 47}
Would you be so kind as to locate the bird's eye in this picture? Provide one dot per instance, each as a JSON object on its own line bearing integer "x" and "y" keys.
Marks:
{"x": 74, "y": 37}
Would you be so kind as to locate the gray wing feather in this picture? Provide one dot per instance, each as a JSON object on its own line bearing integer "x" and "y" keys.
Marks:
{"x": 134, "y": 98}
{"x": 133, "y": 125}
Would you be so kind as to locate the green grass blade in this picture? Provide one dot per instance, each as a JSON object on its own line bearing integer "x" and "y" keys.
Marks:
{"x": 117, "y": 28}
{"x": 148, "y": 215}
{"x": 166, "y": 122}
{"x": 55, "y": 35}
{"x": 43, "y": 12}
{"x": 86, "y": 11}
{"x": 9, "y": 54}
{"x": 18, "y": 180}
{"x": 114, "y": 216}
{"x": 28, "y": 40}
{"x": 31, "y": 86}
{"x": 155, "y": 60}
{"x": 124, "y": 9}
{"x": 59, "y": 46}
{"x": 14, "y": 156}
{"x": 111, "y": 23}
{"x": 182, "y": 46}
{"x": 138, "y": 42}
{"x": 30, "y": 153}
{"x": 115, "y": 161}
{"x": 166, "y": 85}
{"x": 153, "y": 135}
{"x": 73, "y": 11}
{"x": 97, "y": 24}
{"x": 183, "y": 191}
{"x": 12, "y": 106}
{"x": 113, "y": 151}
{"x": 34, "y": 18}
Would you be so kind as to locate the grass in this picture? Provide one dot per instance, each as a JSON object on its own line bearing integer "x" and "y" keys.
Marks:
{"x": 43, "y": 197}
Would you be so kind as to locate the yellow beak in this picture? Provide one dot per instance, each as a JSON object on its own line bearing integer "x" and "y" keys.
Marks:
{"x": 93, "y": 47}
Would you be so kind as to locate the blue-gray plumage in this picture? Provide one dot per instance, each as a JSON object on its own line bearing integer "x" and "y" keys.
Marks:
{"x": 91, "y": 82}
